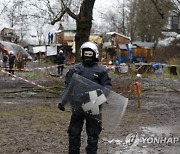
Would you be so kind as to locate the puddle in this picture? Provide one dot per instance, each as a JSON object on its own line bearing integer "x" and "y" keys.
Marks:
{"x": 152, "y": 105}
{"x": 162, "y": 130}
{"x": 112, "y": 141}
{"x": 29, "y": 93}
{"x": 9, "y": 102}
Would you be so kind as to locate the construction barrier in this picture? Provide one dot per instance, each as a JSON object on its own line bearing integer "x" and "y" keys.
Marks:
{"x": 27, "y": 81}
{"x": 137, "y": 91}
{"x": 39, "y": 68}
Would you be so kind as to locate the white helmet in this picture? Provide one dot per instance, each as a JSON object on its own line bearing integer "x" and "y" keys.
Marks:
{"x": 11, "y": 52}
{"x": 61, "y": 51}
{"x": 90, "y": 45}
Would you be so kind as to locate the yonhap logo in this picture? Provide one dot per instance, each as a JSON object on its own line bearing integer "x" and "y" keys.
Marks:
{"x": 133, "y": 139}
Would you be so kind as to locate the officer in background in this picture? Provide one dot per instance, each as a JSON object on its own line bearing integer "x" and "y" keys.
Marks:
{"x": 60, "y": 62}
{"x": 5, "y": 59}
{"x": 90, "y": 69}
{"x": 11, "y": 62}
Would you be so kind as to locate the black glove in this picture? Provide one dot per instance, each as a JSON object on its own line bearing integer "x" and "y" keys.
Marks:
{"x": 99, "y": 92}
{"x": 61, "y": 107}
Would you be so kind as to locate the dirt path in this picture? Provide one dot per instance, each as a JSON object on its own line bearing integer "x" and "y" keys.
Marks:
{"x": 31, "y": 122}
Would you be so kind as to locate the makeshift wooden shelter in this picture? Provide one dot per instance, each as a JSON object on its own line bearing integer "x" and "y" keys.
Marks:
{"x": 112, "y": 41}
{"x": 9, "y": 34}
{"x": 143, "y": 49}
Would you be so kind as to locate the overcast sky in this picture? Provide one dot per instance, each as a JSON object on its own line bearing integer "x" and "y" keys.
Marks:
{"x": 101, "y": 6}
{"x": 102, "y": 3}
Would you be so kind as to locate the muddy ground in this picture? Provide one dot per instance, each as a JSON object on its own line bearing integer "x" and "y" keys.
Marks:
{"x": 30, "y": 121}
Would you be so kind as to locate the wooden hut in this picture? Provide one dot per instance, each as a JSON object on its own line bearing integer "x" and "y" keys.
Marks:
{"x": 111, "y": 45}
{"x": 9, "y": 34}
{"x": 143, "y": 49}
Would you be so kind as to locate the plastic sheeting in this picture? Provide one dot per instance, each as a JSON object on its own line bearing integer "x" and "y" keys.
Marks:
{"x": 15, "y": 48}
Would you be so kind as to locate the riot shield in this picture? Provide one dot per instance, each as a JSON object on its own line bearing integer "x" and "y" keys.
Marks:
{"x": 89, "y": 98}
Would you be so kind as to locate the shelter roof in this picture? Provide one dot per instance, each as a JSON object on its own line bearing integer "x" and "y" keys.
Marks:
{"x": 144, "y": 44}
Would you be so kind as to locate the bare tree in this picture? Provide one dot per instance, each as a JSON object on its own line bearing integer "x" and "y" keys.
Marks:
{"x": 83, "y": 22}
{"x": 39, "y": 26}
{"x": 159, "y": 7}
{"x": 81, "y": 12}
{"x": 139, "y": 19}
{"x": 12, "y": 12}
{"x": 15, "y": 13}
{"x": 147, "y": 22}
{"x": 131, "y": 19}
{"x": 116, "y": 17}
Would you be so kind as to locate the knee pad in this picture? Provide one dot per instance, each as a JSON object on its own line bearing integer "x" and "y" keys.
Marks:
{"x": 74, "y": 132}
{"x": 93, "y": 132}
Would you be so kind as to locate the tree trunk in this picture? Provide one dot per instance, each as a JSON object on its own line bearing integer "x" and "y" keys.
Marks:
{"x": 83, "y": 25}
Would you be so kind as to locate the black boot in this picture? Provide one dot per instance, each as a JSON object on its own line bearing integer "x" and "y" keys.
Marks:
{"x": 74, "y": 145}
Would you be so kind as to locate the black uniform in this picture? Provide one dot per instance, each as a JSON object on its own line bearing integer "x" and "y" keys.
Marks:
{"x": 5, "y": 58}
{"x": 11, "y": 63}
{"x": 60, "y": 61}
{"x": 98, "y": 74}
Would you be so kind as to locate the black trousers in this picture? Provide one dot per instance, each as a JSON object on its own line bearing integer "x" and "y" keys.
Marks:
{"x": 11, "y": 69}
{"x": 93, "y": 129}
{"x": 60, "y": 69}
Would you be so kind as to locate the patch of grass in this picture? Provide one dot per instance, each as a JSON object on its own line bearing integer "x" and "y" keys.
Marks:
{"x": 31, "y": 75}
{"x": 166, "y": 74}
{"x": 174, "y": 61}
{"x": 7, "y": 91}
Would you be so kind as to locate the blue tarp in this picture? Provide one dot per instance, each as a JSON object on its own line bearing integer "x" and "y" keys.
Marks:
{"x": 157, "y": 65}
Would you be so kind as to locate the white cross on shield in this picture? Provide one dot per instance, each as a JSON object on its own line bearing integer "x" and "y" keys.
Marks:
{"x": 94, "y": 103}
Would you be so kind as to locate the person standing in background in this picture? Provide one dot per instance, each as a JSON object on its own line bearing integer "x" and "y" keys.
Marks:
{"x": 11, "y": 62}
{"x": 49, "y": 38}
{"x": 5, "y": 59}
{"x": 52, "y": 38}
{"x": 60, "y": 62}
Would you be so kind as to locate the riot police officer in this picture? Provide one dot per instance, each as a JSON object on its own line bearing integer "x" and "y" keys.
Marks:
{"x": 90, "y": 69}
{"x": 12, "y": 59}
{"x": 60, "y": 62}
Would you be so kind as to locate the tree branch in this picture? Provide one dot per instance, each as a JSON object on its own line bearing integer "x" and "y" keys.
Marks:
{"x": 58, "y": 18}
{"x": 69, "y": 12}
{"x": 74, "y": 16}
{"x": 157, "y": 8}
